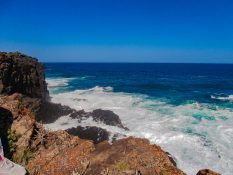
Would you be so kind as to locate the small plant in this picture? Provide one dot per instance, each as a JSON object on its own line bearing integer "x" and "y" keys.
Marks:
{"x": 122, "y": 166}
{"x": 11, "y": 141}
{"x": 28, "y": 154}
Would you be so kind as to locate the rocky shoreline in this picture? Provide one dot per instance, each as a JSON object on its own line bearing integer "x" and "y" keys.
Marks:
{"x": 25, "y": 107}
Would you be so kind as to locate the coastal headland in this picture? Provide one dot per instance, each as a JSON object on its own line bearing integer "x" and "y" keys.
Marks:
{"x": 25, "y": 107}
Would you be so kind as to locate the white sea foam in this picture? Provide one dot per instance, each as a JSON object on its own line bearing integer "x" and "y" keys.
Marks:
{"x": 195, "y": 134}
{"x": 62, "y": 82}
{"x": 227, "y": 98}
{"x": 58, "y": 82}
{"x": 100, "y": 89}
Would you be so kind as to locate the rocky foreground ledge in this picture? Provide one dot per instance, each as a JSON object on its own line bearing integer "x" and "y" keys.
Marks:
{"x": 24, "y": 102}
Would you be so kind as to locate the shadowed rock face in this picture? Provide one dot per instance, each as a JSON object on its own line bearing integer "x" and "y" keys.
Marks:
{"x": 50, "y": 112}
{"x": 6, "y": 120}
{"x": 22, "y": 74}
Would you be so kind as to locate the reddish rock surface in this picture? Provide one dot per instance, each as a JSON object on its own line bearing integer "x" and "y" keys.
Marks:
{"x": 131, "y": 156}
{"x": 61, "y": 154}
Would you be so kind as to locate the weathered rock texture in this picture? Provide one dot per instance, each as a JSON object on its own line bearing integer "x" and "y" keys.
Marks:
{"x": 131, "y": 156}
{"x": 61, "y": 154}
{"x": 22, "y": 74}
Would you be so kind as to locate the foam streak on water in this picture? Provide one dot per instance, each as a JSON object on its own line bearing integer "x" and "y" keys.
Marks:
{"x": 227, "y": 98}
{"x": 58, "y": 82}
{"x": 196, "y": 134}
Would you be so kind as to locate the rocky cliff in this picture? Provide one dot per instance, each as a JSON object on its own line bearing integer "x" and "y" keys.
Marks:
{"x": 44, "y": 152}
{"x": 23, "y": 74}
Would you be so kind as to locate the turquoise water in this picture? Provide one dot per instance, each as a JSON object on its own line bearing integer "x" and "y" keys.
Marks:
{"x": 185, "y": 108}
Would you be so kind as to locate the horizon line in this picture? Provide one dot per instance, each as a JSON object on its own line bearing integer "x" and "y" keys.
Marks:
{"x": 60, "y": 62}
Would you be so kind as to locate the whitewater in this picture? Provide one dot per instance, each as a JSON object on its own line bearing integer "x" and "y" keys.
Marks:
{"x": 198, "y": 135}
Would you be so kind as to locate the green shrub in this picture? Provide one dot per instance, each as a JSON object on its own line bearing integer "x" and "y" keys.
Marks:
{"x": 11, "y": 141}
{"x": 122, "y": 166}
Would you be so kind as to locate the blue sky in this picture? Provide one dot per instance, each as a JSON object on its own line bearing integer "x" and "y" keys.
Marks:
{"x": 119, "y": 30}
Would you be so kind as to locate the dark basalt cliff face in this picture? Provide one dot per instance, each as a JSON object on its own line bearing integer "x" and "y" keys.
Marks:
{"x": 23, "y": 74}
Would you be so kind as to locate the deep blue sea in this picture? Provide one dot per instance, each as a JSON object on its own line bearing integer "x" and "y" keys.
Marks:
{"x": 185, "y": 108}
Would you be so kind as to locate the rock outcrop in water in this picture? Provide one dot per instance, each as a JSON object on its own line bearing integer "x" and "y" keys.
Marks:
{"x": 107, "y": 117}
{"x": 41, "y": 151}
{"x": 93, "y": 133}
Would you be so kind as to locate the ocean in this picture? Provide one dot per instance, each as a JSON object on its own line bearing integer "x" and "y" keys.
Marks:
{"x": 187, "y": 109}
